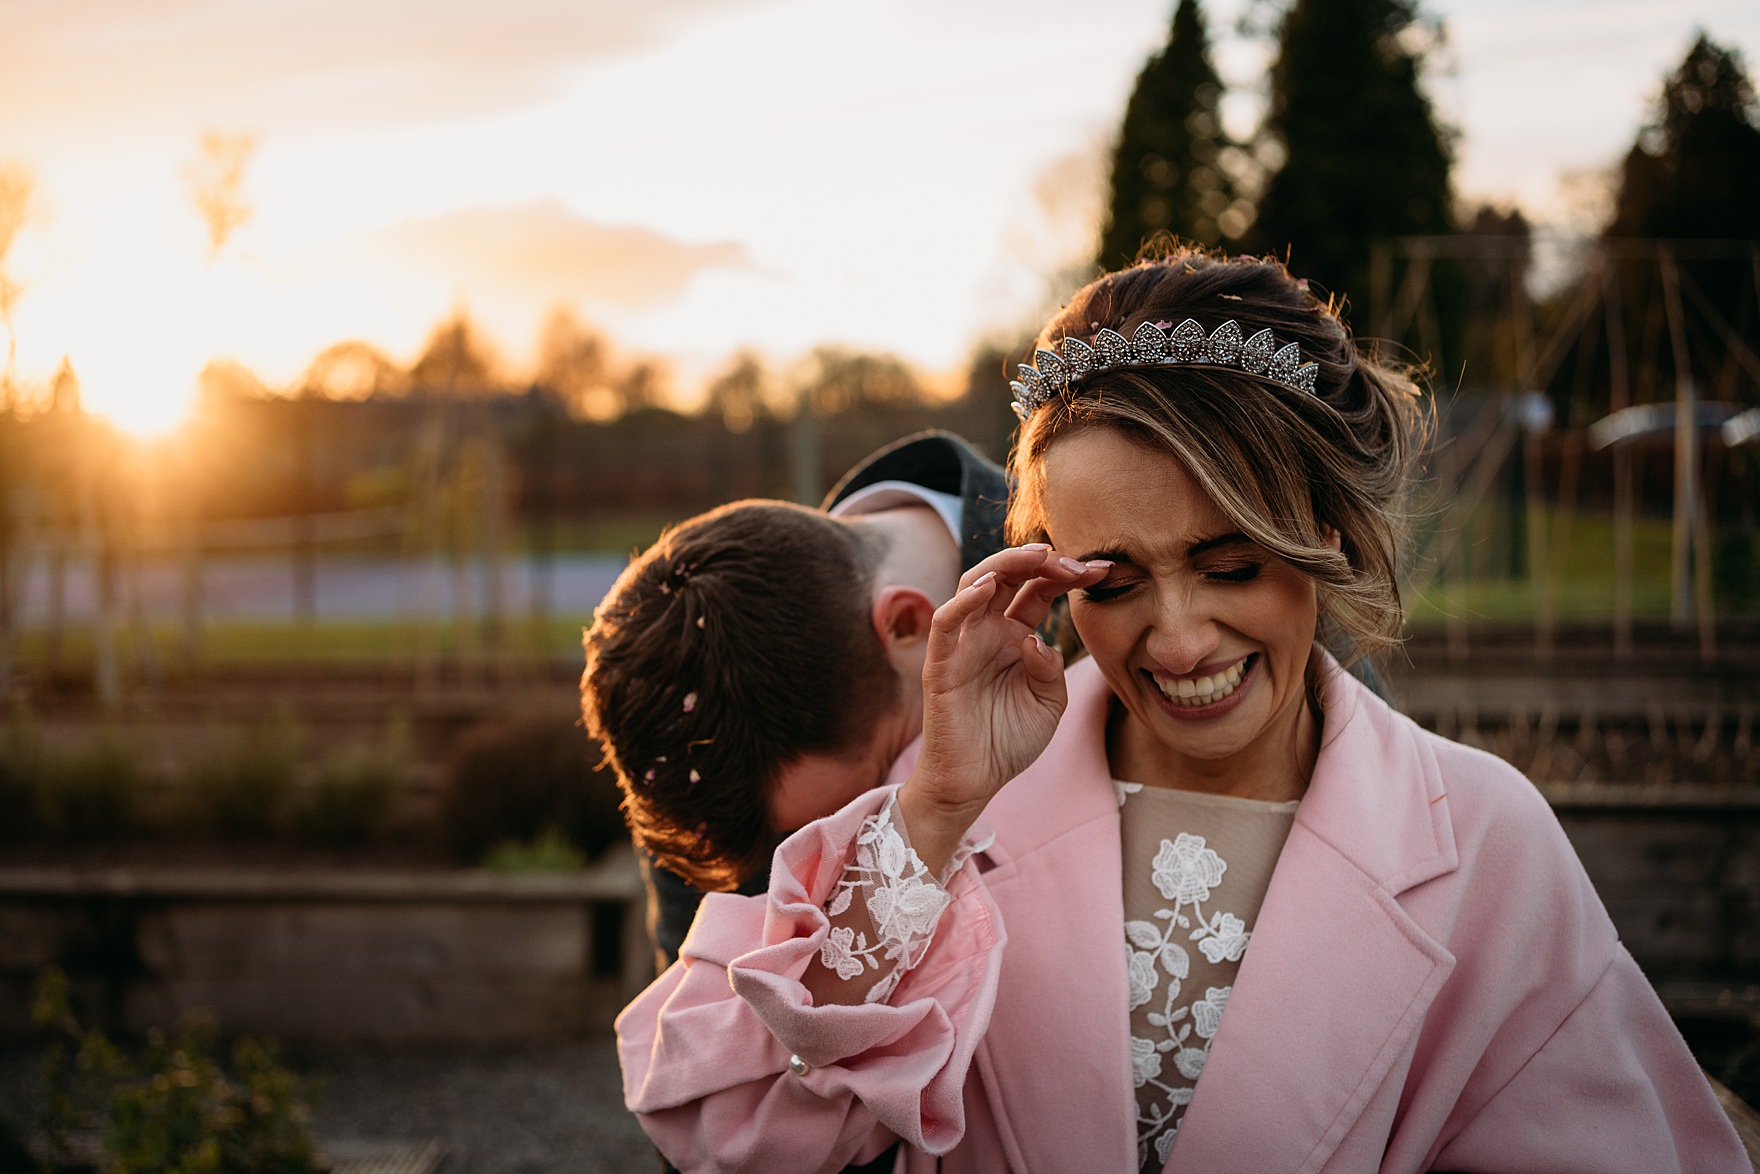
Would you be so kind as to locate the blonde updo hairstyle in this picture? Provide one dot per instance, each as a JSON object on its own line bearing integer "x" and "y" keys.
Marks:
{"x": 1285, "y": 467}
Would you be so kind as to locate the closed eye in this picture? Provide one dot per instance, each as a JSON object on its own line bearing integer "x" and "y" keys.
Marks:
{"x": 1245, "y": 573}
{"x": 1102, "y": 592}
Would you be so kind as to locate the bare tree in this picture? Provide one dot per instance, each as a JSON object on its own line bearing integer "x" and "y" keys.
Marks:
{"x": 353, "y": 370}
{"x": 456, "y": 360}
{"x": 574, "y": 361}
{"x": 216, "y": 183}
{"x": 16, "y": 186}
{"x": 740, "y": 393}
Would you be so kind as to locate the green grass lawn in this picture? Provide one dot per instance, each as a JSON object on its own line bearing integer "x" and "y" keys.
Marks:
{"x": 1581, "y": 576}
{"x": 323, "y": 642}
{"x": 1581, "y": 570}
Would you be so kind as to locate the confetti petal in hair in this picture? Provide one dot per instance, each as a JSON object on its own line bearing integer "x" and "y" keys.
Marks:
{"x": 690, "y": 702}
{"x": 695, "y": 777}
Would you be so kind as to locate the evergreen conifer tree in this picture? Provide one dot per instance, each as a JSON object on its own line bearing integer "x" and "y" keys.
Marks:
{"x": 1363, "y": 159}
{"x": 1692, "y": 174}
{"x": 1165, "y": 171}
{"x": 1695, "y": 171}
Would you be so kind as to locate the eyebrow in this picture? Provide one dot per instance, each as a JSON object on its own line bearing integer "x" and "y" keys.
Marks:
{"x": 1233, "y": 538}
{"x": 1202, "y": 546}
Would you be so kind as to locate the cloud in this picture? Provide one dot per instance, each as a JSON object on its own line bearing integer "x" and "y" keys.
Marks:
{"x": 300, "y": 65}
{"x": 545, "y": 253}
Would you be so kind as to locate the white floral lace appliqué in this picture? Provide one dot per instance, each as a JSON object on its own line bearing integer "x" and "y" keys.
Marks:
{"x": 902, "y": 901}
{"x": 1185, "y": 871}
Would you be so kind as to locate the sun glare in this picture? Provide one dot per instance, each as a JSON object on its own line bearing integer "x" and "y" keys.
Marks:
{"x": 145, "y": 412}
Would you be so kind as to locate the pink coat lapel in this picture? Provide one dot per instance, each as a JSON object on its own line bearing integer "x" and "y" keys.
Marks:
{"x": 1338, "y": 977}
{"x": 1059, "y": 1073}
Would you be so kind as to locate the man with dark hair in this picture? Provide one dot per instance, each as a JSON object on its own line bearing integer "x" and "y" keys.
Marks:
{"x": 760, "y": 665}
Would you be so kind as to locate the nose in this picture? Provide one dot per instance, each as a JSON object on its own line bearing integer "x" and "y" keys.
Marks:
{"x": 1183, "y": 632}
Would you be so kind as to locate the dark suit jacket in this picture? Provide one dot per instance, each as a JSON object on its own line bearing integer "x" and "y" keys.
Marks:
{"x": 945, "y": 463}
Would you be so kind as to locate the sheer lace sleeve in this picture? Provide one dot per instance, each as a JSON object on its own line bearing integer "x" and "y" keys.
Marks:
{"x": 885, "y": 907}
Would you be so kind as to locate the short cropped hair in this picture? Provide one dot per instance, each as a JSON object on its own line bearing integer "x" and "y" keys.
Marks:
{"x": 738, "y": 642}
{"x": 1282, "y": 465}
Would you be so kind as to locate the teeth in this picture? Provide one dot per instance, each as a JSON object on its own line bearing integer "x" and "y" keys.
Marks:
{"x": 1203, "y": 690}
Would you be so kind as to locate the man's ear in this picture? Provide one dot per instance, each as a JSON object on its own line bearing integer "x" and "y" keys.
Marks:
{"x": 901, "y": 617}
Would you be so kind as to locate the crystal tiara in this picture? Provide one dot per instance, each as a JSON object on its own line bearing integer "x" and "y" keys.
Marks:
{"x": 1153, "y": 345}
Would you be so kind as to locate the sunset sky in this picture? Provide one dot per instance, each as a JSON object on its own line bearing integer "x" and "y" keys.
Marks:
{"x": 692, "y": 176}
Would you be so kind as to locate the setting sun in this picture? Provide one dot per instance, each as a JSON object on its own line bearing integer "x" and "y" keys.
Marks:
{"x": 692, "y": 182}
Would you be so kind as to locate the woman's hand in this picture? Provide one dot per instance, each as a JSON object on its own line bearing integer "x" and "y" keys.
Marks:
{"x": 992, "y": 692}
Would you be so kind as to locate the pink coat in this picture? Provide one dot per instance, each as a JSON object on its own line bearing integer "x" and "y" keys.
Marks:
{"x": 1432, "y": 984}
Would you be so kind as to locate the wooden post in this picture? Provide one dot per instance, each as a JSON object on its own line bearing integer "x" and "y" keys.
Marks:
{"x": 494, "y": 547}
{"x": 1381, "y": 287}
{"x": 305, "y": 537}
{"x": 107, "y": 678}
{"x": 1620, "y": 396}
{"x": 192, "y": 550}
{"x": 539, "y": 480}
{"x": 1686, "y": 450}
{"x": 1534, "y": 498}
{"x": 1536, "y": 419}
{"x": 806, "y": 450}
{"x": 1452, "y": 572}
{"x": 421, "y": 546}
{"x": 1704, "y": 604}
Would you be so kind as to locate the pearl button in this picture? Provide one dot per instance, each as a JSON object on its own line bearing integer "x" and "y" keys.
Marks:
{"x": 797, "y": 1065}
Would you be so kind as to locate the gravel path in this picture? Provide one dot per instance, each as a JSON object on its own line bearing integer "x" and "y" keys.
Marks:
{"x": 528, "y": 1110}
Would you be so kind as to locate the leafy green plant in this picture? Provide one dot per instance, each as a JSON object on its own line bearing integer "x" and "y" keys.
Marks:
{"x": 173, "y": 1108}
{"x": 92, "y": 793}
{"x": 244, "y": 790}
{"x": 80, "y": 795}
{"x": 21, "y": 814}
{"x": 351, "y": 803}
{"x": 516, "y": 781}
{"x": 550, "y": 852}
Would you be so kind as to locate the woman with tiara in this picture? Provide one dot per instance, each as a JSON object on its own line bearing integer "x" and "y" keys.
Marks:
{"x": 1203, "y": 901}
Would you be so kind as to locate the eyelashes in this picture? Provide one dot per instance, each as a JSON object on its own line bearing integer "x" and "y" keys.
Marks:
{"x": 1105, "y": 592}
{"x": 1102, "y": 593}
{"x": 1244, "y": 573}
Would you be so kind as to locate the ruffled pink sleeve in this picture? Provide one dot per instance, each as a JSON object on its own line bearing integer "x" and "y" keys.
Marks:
{"x": 729, "y": 1064}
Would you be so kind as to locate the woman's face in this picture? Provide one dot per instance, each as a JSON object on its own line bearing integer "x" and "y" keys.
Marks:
{"x": 1202, "y": 634}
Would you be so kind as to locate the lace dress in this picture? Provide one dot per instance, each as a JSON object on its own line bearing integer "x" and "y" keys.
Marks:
{"x": 1196, "y": 868}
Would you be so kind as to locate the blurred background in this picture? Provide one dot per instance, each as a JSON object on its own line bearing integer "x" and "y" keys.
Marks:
{"x": 351, "y": 349}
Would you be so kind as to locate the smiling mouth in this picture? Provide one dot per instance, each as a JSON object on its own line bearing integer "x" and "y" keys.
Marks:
{"x": 1192, "y": 692}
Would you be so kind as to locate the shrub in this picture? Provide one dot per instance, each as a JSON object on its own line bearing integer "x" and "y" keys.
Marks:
{"x": 244, "y": 791}
{"x": 20, "y": 772}
{"x": 351, "y": 803}
{"x": 91, "y": 794}
{"x": 174, "y": 1107}
{"x": 550, "y": 852}
{"x": 83, "y": 795}
{"x": 515, "y": 781}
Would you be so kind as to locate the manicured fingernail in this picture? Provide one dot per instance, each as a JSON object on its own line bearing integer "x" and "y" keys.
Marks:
{"x": 1100, "y": 564}
{"x": 981, "y": 580}
{"x": 1035, "y": 546}
{"x": 1074, "y": 567}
